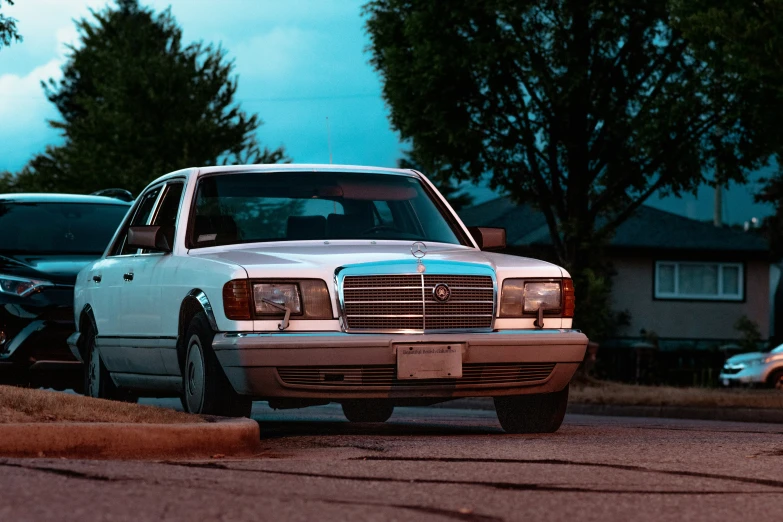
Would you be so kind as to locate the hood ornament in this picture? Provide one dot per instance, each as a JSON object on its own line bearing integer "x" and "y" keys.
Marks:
{"x": 419, "y": 250}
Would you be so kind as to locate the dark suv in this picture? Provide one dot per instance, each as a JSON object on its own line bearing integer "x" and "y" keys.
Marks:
{"x": 45, "y": 239}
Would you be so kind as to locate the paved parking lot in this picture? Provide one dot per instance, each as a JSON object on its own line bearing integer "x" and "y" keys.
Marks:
{"x": 428, "y": 464}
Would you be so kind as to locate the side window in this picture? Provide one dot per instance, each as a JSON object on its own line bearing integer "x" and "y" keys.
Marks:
{"x": 167, "y": 210}
{"x": 141, "y": 217}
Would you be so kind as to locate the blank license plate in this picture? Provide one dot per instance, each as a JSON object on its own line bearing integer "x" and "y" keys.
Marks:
{"x": 429, "y": 361}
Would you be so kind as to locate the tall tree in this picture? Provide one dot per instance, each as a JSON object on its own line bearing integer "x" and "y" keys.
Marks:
{"x": 8, "y": 34}
{"x": 136, "y": 102}
{"x": 583, "y": 108}
{"x": 8, "y": 31}
{"x": 745, "y": 38}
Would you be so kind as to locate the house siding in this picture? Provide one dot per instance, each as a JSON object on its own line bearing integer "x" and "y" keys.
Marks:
{"x": 633, "y": 291}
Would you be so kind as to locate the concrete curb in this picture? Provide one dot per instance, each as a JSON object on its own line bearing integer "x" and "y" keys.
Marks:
{"x": 766, "y": 415}
{"x": 229, "y": 437}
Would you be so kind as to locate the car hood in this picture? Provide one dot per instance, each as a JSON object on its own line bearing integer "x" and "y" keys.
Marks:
{"x": 744, "y": 357}
{"x": 320, "y": 259}
{"x": 59, "y": 269}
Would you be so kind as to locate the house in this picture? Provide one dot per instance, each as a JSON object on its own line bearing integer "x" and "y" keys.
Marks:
{"x": 684, "y": 282}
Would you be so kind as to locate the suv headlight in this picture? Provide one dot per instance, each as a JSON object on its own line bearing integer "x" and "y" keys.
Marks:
{"x": 21, "y": 286}
{"x": 305, "y": 298}
{"x": 520, "y": 297}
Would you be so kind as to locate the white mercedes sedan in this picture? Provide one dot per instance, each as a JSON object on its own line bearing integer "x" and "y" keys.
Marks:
{"x": 302, "y": 285}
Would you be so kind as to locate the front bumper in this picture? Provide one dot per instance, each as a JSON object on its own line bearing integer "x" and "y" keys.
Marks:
{"x": 755, "y": 375}
{"x": 337, "y": 365}
{"x": 37, "y": 354}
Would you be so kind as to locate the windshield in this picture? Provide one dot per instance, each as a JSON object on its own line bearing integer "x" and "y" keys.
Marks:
{"x": 57, "y": 228}
{"x": 290, "y": 206}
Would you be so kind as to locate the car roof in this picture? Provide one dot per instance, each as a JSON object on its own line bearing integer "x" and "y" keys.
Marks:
{"x": 310, "y": 167}
{"x": 62, "y": 198}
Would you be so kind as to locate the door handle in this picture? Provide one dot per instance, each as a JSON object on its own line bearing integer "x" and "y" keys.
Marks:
{"x": 128, "y": 276}
{"x": 96, "y": 278}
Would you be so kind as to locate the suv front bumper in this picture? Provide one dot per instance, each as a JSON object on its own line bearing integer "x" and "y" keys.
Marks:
{"x": 337, "y": 365}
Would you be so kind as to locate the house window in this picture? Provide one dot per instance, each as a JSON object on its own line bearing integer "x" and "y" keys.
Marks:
{"x": 698, "y": 280}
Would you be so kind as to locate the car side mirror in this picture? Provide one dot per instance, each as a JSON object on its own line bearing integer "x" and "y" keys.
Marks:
{"x": 489, "y": 238}
{"x": 150, "y": 237}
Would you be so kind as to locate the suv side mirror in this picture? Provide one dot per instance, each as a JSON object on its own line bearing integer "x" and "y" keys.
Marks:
{"x": 489, "y": 238}
{"x": 150, "y": 237}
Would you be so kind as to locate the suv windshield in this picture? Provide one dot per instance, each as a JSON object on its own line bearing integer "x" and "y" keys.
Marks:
{"x": 58, "y": 228}
{"x": 291, "y": 206}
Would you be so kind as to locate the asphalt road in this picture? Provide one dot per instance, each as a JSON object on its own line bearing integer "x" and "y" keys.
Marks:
{"x": 428, "y": 464}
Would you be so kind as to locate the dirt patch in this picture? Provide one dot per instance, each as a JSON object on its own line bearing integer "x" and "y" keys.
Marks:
{"x": 29, "y": 405}
{"x": 601, "y": 392}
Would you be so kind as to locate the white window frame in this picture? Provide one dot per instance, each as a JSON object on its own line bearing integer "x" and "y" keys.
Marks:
{"x": 720, "y": 296}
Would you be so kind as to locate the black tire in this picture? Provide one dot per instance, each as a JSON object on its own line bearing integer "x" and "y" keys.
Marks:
{"x": 367, "y": 410}
{"x": 776, "y": 380}
{"x": 97, "y": 381}
{"x": 540, "y": 413}
{"x": 205, "y": 387}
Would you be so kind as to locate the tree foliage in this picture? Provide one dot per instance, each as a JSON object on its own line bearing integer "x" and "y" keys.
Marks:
{"x": 746, "y": 38}
{"x": 8, "y": 31}
{"x": 457, "y": 196}
{"x": 136, "y": 102}
{"x": 583, "y": 108}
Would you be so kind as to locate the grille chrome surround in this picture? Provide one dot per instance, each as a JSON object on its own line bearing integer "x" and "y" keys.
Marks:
{"x": 405, "y": 302}
{"x": 385, "y": 376}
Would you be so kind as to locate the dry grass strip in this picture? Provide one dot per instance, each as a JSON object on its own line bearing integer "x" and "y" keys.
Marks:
{"x": 601, "y": 392}
{"x": 29, "y": 405}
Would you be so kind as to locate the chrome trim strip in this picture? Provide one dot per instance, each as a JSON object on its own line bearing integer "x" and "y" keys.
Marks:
{"x": 201, "y": 297}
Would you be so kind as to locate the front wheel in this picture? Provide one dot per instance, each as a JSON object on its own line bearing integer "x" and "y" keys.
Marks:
{"x": 539, "y": 413}
{"x": 776, "y": 380}
{"x": 367, "y": 410}
{"x": 205, "y": 387}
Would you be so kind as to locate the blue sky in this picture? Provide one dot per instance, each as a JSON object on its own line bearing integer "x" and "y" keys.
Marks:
{"x": 298, "y": 61}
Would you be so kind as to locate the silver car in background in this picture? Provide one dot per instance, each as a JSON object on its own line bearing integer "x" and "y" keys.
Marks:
{"x": 756, "y": 368}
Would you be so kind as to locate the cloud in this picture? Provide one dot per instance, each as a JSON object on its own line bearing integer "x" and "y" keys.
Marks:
{"x": 23, "y": 113}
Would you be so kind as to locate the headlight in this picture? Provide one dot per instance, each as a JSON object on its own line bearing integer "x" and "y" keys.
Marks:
{"x": 21, "y": 286}
{"x": 305, "y": 298}
{"x": 519, "y": 297}
{"x": 285, "y": 294}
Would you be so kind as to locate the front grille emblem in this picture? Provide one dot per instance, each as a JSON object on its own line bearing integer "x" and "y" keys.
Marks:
{"x": 441, "y": 292}
{"x": 419, "y": 250}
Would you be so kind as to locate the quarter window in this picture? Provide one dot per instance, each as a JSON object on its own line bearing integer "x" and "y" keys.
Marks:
{"x": 699, "y": 280}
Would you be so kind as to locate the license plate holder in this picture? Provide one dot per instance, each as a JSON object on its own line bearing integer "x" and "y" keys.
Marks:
{"x": 429, "y": 361}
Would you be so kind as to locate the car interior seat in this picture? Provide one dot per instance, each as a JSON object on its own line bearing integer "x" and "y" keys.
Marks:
{"x": 306, "y": 227}
{"x": 348, "y": 226}
{"x": 215, "y": 230}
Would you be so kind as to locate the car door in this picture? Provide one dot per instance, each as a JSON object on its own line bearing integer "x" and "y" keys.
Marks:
{"x": 143, "y": 306}
{"x": 116, "y": 272}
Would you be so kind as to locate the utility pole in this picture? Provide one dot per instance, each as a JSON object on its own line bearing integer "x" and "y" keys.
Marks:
{"x": 717, "y": 212}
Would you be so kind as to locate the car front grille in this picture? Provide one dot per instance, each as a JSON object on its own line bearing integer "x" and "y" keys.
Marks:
{"x": 406, "y": 302}
{"x": 385, "y": 375}
{"x": 731, "y": 370}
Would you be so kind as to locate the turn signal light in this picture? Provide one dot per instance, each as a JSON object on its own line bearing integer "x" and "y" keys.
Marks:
{"x": 569, "y": 298}
{"x": 236, "y": 300}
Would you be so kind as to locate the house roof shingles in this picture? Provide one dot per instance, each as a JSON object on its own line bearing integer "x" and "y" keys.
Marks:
{"x": 648, "y": 228}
